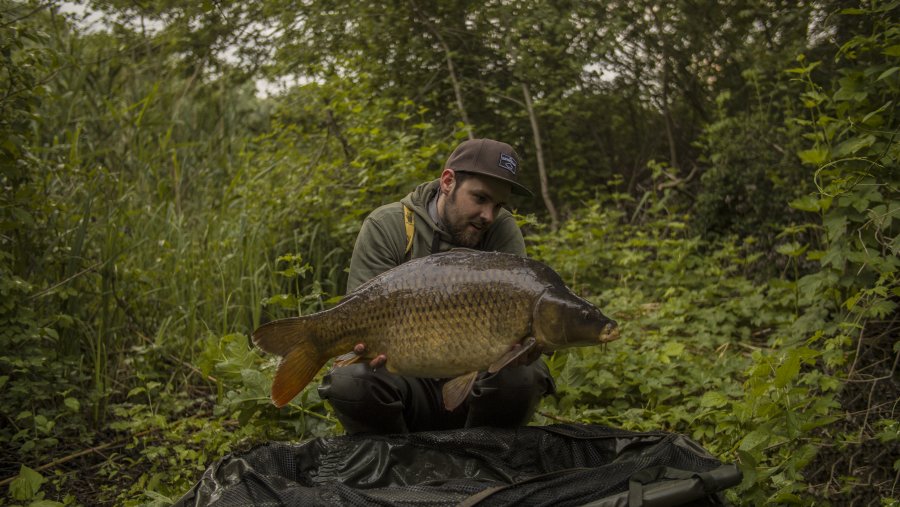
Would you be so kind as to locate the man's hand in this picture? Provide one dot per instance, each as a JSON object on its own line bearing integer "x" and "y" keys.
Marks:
{"x": 379, "y": 360}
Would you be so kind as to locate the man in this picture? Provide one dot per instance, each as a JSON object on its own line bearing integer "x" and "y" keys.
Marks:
{"x": 463, "y": 208}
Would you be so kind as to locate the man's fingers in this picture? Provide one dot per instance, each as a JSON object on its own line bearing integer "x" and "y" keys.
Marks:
{"x": 378, "y": 361}
{"x": 360, "y": 349}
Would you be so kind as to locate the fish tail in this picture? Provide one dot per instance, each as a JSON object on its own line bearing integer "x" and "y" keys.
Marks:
{"x": 293, "y": 339}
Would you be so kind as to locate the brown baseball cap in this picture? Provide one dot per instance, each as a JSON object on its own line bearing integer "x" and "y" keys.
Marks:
{"x": 490, "y": 158}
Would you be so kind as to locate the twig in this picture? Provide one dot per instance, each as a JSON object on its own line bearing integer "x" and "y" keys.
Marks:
{"x": 676, "y": 182}
{"x": 558, "y": 418}
{"x": 856, "y": 356}
{"x": 67, "y": 280}
{"x": 862, "y": 427}
{"x": 869, "y": 409}
{"x": 70, "y": 457}
{"x": 26, "y": 16}
{"x": 177, "y": 360}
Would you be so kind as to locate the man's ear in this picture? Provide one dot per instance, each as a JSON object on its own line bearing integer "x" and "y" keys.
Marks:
{"x": 448, "y": 181}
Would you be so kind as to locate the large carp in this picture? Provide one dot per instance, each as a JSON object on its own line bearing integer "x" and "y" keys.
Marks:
{"x": 451, "y": 314}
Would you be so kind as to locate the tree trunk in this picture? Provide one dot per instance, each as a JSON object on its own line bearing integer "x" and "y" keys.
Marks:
{"x": 667, "y": 115}
{"x": 539, "y": 155}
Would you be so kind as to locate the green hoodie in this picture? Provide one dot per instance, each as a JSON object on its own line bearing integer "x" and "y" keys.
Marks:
{"x": 381, "y": 244}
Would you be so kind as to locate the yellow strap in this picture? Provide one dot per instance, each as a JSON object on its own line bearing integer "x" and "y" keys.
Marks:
{"x": 409, "y": 222}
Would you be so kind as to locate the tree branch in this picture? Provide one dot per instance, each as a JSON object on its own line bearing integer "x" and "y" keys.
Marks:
{"x": 457, "y": 90}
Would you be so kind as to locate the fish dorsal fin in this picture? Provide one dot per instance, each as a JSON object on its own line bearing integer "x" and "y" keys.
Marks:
{"x": 457, "y": 390}
{"x": 512, "y": 355}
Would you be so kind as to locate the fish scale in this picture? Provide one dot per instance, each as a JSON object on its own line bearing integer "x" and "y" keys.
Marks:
{"x": 445, "y": 315}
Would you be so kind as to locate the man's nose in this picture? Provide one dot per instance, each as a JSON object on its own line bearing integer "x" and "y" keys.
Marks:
{"x": 487, "y": 214}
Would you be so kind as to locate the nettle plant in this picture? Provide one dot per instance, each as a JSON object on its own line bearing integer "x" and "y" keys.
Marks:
{"x": 801, "y": 407}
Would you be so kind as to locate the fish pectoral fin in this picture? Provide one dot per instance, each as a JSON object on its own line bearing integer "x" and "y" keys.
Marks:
{"x": 513, "y": 354}
{"x": 347, "y": 359}
{"x": 457, "y": 390}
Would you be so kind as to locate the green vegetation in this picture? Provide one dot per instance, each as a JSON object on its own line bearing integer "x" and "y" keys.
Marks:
{"x": 722, "y": 179}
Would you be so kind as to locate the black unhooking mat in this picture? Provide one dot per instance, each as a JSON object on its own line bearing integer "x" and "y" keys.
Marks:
{"x": 554, "y": 465}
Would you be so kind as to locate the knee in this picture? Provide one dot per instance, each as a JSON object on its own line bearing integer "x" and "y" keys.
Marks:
{"x": 518, "y": 382}
{"x": 509, "y": 397}
{"x": 365, "y": 400}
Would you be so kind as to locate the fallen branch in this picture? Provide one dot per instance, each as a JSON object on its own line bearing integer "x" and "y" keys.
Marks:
{"x": 110, "y": 445}
{"x": 70, "y": 457}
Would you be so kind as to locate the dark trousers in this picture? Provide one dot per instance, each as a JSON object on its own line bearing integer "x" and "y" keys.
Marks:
{"x": 375, "y": 401}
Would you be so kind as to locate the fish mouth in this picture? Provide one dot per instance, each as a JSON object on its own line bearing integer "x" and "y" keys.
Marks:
{"x": 610, "y": 333}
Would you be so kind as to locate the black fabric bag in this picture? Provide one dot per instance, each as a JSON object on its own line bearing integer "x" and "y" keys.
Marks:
{"x": 555, "y": 465}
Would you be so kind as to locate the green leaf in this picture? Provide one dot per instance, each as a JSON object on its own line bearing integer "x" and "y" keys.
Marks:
{"x": 836, "y": 225}
{"x": 852, "y": 89}
{"x": 789, "y": 498}
{"x": 880, "y": 109}
{"x": 673, "y": 349}
{"x": 850, "y": 302}
{"x": 286, "y": 301}
{"x": 748, "y": 464}
{"x": 815, "y": 156}
{"x": 26, "y": 484}
{"x": 136, "y": 390}
{"x": 853, "y": 145}
{"x": 828, "y": 383}
{"x": 804, "y": 70}
{"x": 893, "y": 50}
{"x": 792, "y": 249}
{"x": 788, "y": 370}
{"x": 806, "y": 203}
{"x": 72, "y": 404}
{"x": 713, "y": 399}
{"x": 159, "y": 497}
{"x": 755, "y": 439}
{"x": 887, "y": 73}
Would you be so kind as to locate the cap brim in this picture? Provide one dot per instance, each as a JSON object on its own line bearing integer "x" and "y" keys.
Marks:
{"x": 520, "y": 190}
{"x": 515, "y": 187}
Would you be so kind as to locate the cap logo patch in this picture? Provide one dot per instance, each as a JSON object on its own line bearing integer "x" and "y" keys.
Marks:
{"x": 508, "y": 162}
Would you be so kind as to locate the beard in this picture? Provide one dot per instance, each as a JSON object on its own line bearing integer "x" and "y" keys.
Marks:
{"x": 458, "y": 225}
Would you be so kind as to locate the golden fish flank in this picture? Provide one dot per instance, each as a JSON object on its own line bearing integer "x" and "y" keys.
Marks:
{"x": 452, "y": 314}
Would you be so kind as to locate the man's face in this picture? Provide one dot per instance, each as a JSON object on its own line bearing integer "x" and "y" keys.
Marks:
{"x": 472, "y": 206}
